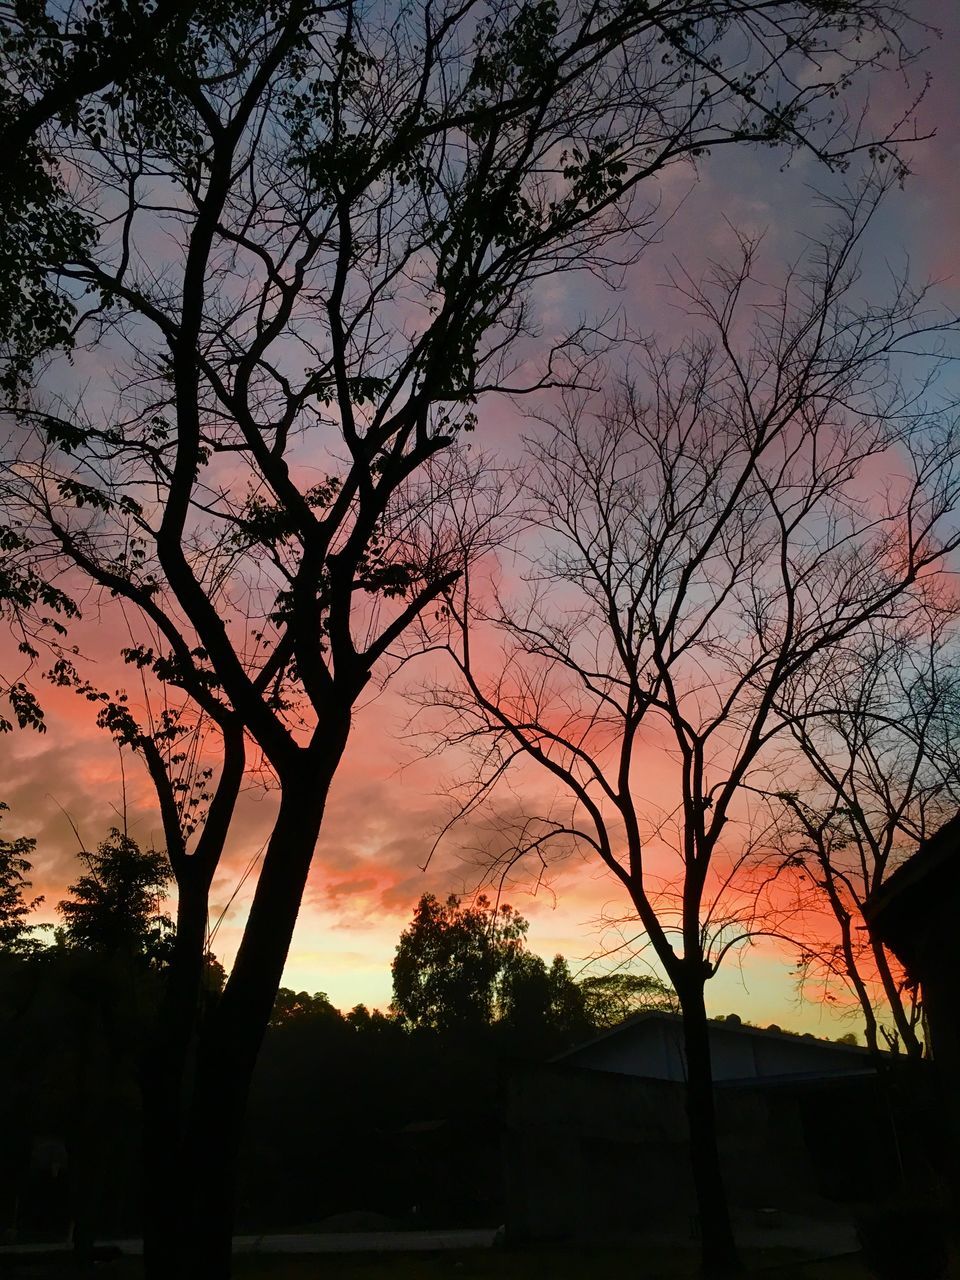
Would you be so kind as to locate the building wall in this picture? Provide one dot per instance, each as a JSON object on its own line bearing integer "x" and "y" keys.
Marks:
{"x": 594, "y": 1155}
{"x": 590, "y": 1154}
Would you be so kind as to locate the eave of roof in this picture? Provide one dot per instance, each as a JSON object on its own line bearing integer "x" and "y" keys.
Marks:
{"x": 931, "y": 855}
{"x": 798, "y": 1078}
{"x": 676, "y": 1019}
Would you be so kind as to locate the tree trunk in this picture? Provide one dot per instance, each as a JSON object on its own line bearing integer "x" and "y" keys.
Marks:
{"x": 164, "y": 1086}
{"x": 849, "y": 959}
{"x": 912, "y": 1045}
{"x": 231, "y": 1037}
{"x": 718, "y": 1250}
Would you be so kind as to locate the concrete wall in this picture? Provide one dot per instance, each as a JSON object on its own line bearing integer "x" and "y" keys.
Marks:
{"x": 590, "y": 1155}
{"x": 594, "y": 1155}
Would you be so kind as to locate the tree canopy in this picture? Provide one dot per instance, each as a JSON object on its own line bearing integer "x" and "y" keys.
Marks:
{"x": 16, "y": 933}
{"x": 297, "y": 1006}
{"x": 609, "y": 998}
{"x": 461, "y": 967}
{"x": 116, "y": 907}
{"x": 451, "y": 961}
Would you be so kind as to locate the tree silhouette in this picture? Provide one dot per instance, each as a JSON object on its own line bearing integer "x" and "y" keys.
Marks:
{"x": 355, "y": 205}
{"x": 16, "y": 934}
{"x": 451, "y": 961}
{"x": 292, "y": 1006}
{"x": 535, "y": 997}
{"x": 609, "y": 998}
{"x": 465, "y": 968}
{"x": 710, "y": 536}
{"x": 116, "y": 908}
{"x": 67, "y": 69}
{"x": 876, "y": 727}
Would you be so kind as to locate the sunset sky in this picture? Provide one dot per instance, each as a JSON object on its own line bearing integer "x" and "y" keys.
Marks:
{"x": 388, "y": 803}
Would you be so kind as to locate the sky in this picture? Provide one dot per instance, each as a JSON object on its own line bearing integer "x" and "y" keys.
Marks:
{"x": 388, "y": 803}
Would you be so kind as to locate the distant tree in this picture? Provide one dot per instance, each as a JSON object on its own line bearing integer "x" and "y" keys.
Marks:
{"x": 460, "y": 967}
{"x": 533, "y": 997}
{"x": 450, "y": 961}
{"x": 298, "y": 1006}
{"x": 117, "y": 905}
{"x": 524, "y": 991}
{"x": 16, "y": 935}
{"x": 75, "y": 1018}
{"x": 567, "y": 1008}
{"x": 363, "y": 1019}
{"x": 609, "y": 998}
{"x": 214, "y": 975}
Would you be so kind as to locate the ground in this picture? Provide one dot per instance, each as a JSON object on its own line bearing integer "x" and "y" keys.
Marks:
{"x": 534, "y": 1264}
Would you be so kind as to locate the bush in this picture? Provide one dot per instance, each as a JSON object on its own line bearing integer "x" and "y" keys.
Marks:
{"x": 904, "y": 1240}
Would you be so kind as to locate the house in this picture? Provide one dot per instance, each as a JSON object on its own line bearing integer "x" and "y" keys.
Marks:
{"x": 916, "y": 912}
{"x": 596, "y": 1140}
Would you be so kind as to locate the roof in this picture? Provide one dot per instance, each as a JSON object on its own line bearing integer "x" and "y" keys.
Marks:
{"x": 937, "y": 853}
{"x": 650, "y": 1046}
{"x": 676, "y": 1019}
{"x": 900, "y": 910}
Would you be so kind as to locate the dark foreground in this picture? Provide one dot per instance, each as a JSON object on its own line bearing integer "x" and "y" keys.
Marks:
{"x": 499, "y": 1264}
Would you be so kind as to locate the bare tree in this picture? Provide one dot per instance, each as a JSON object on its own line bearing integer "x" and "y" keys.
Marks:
{"x": 706, "y": 534}
{"x": 877, "y": 726}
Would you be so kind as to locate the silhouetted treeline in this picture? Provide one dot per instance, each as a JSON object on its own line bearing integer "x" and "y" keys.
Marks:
{"x": 76, "y": 1002}
{"x": 399, "y": 1114}
{"x": 361, "y": 1118}
{"x": 74, "y": 1006}
{"x": 359, "y": 1113}
{"x": 393, "y": 1113}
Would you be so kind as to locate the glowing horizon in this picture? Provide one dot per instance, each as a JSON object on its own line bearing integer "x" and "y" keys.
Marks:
{"x": 386, "y": 806}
